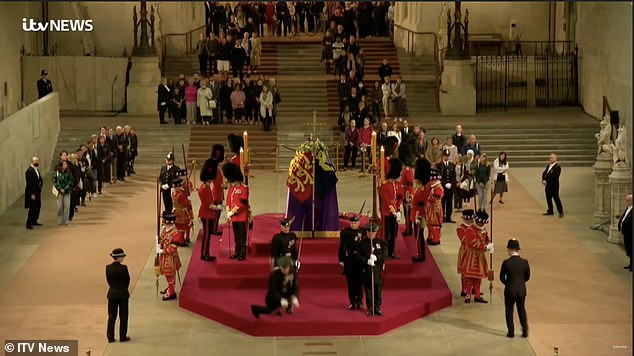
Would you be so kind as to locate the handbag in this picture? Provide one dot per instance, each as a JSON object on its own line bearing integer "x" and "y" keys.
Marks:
{"x": 54, "y": 191}
{"x": 212, "y": 104}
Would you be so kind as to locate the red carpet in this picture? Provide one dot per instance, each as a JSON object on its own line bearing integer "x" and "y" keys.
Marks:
{"x": 223, "y": 290}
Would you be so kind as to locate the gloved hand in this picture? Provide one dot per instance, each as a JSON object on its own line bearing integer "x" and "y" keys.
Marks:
{"x": 373, "y": 257}
{"x": 165, "y": 187}
{"x": 284, "y": 302}
{"x": 295, "y": 302}
{"x": 341, "y": 264}
{"x": 159, "y": 250}
{"x": 371, "y": 262}
{"x": 230, "y": 214}
{"x": 219, "y": 207}
{"x": 398, "y": 216}
{"x": 448, "y": 185}
{"x": 490, "y": 248}
{"x": 297, "y": 264}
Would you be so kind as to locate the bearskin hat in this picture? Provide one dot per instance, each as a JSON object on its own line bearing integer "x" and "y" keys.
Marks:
{"x": 232, "y": 172}
{"x": 482, "y": 217}
{"x": 390, "y": 145}
{"x": 235, "y": 143}
{"x": 218, "y": 152}
{"x": 406, "y": 155}
{"x": 422, "y": 170}
{"x": 395, "y": 169}
{"x": 209, "y": 170}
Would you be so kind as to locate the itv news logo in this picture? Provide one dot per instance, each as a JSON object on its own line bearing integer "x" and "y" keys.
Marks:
{"x": 31, "y": 25}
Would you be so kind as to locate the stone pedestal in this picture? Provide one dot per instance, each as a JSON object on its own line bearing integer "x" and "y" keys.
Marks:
{"x": 620, "y": 186}
{"x": 145, "y": 76}
{"x": 602, "y": 205}
{"x": 457, "y": 92}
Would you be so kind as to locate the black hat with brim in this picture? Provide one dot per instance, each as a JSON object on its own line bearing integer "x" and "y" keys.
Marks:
{"x": 118, "y": 252}
{"x": 169, "y": 216}
{"x": 513, "y": 244}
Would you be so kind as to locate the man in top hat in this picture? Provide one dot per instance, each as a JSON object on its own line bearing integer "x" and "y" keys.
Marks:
{"x": 169, "y": 172}
{"x": 210, "y": 205}
{"x": 448, "y": 175}
{"x": 182, "y": 210}
{"x": 433, "y": 207}
{"x": 461, "y": 231}
{"x": 167, "y": 249}
{"x": 474, "y": 263}
{"x": 391, "y": 196}
{"x": 118, "y": 295}
{"x": 421, "y": 194}
{"x": 406, "y": 156}
{"x": 514, "y": 274}
{"x": 372, "y": 254}
{"x": 235, "y": 143}
{"x": 283, "y": 244}
{"x": 349, "y": 240}
{"x": 283, "y": 290}
{"x": 44, "y": 86}
{"x": 237, "y": 208}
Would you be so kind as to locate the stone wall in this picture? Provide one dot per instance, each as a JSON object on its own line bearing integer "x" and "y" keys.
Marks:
{"x": 29, "y": 132}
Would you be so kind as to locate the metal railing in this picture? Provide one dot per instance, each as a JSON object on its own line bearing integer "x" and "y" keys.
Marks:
{"x": 190, "y": 39}
{"x": 438, "y": 53}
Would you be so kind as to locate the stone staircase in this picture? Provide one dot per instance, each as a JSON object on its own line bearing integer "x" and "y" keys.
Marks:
{"x": 155, "y": 140}
{"x": 421, "y": 87}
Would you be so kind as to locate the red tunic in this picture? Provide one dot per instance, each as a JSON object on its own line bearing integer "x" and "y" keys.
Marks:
{"x": 182, "y": 207}
{"x": 474, "y": 263}
{"x": 391, "y": 194}
{"x": 235, "y": 160}
{"x": 206, "y": 195}
{"x": 169, "y": 260}
{"x": 387, "y": 165}
{"x": 407, "y": 181}
{"x": 219, "y": 194}
{"x": 461, "y": 231}
{"x": 238, "y": 196}
{"x": 418, "y": 203}
{"x": 433, "y": 207}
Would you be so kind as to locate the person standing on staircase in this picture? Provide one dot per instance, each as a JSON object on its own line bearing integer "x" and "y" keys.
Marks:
{"x": 212, "y": 47}
{"x": 238, "y": 59}
{"x": 201, "y": 49}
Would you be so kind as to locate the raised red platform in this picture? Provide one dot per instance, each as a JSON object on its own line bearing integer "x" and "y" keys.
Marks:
{"x": 223, "y": 290}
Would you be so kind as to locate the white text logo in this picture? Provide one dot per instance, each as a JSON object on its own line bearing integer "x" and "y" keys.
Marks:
{"x": 30, "y": 25}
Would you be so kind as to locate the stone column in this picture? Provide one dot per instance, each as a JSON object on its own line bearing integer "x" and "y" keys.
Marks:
{"x": 602, "y": 206}
{"x": 457, "y": 93}
{"x": 145, "y": 76}
{"x": 620, "y": 185}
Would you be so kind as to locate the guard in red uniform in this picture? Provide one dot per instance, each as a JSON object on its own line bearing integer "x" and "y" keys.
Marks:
{"x": 169, "y": 262}
{"x": 433, "y": 208}
{"x": 391, "y": 196}
{"x": 235, "y": 143}
{"x": 237, "y": 208}
{"x": 406, "y": 156}
{"x": 474, "y": 263}
{"x": 461, "y": 231}
{"x": 421, "y": 193}
{"x": 182, "y": 210}
{"x": 210, "y": 206}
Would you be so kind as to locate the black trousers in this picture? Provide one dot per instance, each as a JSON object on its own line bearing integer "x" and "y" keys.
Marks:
{"x": 552, "y": 193}
{"x": 509, "y": 302}
{"x": 34, "y": 210}
{"x": 122, "y": 163}
{"x": 355, "y": 290}
{"x": 205, "y": 246}
{"x": 407, "y": 210}
{"x": 74, "y": 201}
{"x": 202, "y": 63}
{"x": 240, "y": 238}
{"x": 378, "y": 291}
{"x": 167, "y": 200}
{"x": 120, "y": 305}
{"x": 162, "y": 111}
{"x": 346, "y": 156}
{"x": 421, "y": 241}
{"x": 237, "y": 70}
{"x": 267, "y": 123}
{"x": 447, "y": 203}
{"x": 390, "y": 229}
{"x": 271, "y": 306}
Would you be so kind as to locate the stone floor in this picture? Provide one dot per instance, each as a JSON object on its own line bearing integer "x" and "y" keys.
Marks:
{"x": 579, "y": 296}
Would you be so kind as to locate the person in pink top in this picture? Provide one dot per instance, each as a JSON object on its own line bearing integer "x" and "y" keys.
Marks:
{"x": 237, "y": 103}
{"x": 365, "y": 141}
{"x": 190, "y": 102}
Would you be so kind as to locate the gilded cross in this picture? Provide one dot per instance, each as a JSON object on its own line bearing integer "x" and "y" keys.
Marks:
{"x": 314, "y": 124}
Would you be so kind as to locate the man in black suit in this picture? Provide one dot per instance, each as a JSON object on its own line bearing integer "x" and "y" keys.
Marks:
{"x": 283, "y": 290}
{"x": 33, "y": 193}
{"x": 44, "y": 86}
{"x": 550, "y": 180}
{"x": 448, "y": 179}
{"x": 625, "y": 227}
{"x": 407, "y": 134}
{"x": 169, "y": 173}
{"x": 118, "y": 295}
{"x": 514, "y": 274}
{"x": 164, "y": 96}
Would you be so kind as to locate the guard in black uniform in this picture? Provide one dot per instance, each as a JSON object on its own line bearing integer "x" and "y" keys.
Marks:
{"x": 349, "y": 240}
{"x": 44, "y": 86}
{"x": 283, "y": 290}
{"x": 372, "y": 254}
{"x": 283, "y": 244}
{"x": 169, "y": 172}
{"x": 118, "y": 295}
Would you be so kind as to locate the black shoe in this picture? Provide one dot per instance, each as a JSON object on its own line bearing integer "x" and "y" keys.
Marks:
{"x": 450, "y": 221}
{"x": 561, "y": 215}
{"x": 163, "y": 291}
{"x": 29, "y": 227}
{"x": 358, "y": 306}
{"x": 289, "y": 310}
{"x": 626, "y": 267}
{"x": 241, "y": 258}
{"x": 395, "y": 257}
{"x": 480, "y": 300}
{"x": 463, "y": 294}
{"x": 351, "y": 307}
{"x": 173, "y": 296}
{"x": 467, "y": 300}
{"x": 548, "y": 213}
{"x": 369, "y": 313}
{"x": 511, "y": 335}
{"x": 233, "y": 257}
{"x": 378, "y": 312}
{"x": 525, "y": 333}
{"x": 217, "y": 233}
{"x": 209, "y": 258}
{"x": 254, "y": 312}
{"x": 37, "y": 224}
{"x": 111, "y": 340}
{"x": 418, "y": 259}
{"x": 278, "y": 313}
{"x": 125, "y": 339}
